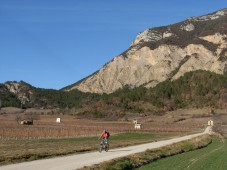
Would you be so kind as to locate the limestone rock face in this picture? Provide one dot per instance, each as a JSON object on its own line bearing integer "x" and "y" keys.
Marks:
{"x": 188, "y": 27}
{"x": 20, "y": 89}
{"x": 158, "y": 54}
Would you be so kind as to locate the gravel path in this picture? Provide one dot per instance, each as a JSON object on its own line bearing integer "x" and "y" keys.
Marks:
{"x": 87, "y": 159}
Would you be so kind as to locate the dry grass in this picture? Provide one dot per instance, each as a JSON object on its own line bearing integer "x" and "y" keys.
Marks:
{"x": 47, "y": 138}
{"x": 45, "y": 126}
{"x": 23, "y": 150}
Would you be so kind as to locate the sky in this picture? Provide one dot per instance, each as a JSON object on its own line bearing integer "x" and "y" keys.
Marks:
{"x": 55, "y": 43}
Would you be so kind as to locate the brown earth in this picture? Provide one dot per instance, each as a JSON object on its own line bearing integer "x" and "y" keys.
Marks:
{"x": 45, "y": 126}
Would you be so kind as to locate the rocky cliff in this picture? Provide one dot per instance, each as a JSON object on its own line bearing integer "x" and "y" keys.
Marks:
{"x": 21, "y": 90}
{"x": 162, "y": 53}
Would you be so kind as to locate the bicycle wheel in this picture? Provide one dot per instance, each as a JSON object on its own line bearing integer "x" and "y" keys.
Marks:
{"x": 100, "y": 148}
{"x": 107, "y": 147}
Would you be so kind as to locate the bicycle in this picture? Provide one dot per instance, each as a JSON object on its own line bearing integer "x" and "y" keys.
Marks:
{"x": 104, "y": 145}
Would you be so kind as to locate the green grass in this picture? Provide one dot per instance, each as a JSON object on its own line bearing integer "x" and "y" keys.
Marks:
{"x": 214, "y": 156}
{"x": 25, "y": 150}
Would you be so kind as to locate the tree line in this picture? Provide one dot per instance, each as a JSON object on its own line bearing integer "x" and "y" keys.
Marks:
{"x": 194, "y": 89}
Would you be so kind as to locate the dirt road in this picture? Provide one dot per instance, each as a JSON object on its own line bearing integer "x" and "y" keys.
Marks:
{"x": 80, "y": 160}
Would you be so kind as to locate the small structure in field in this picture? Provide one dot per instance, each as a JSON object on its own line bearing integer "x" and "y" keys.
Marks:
{"x": 137, "y": 125}
{"x": 26, "y": 122}
{"x": 58, "y": 120}
{"x": 210, "y": 123}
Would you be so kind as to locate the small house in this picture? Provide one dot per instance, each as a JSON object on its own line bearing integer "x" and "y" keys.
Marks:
{"x": 210, "y": 123}
{"x": 137, "y": 126}
{"x": 58, "y": 120}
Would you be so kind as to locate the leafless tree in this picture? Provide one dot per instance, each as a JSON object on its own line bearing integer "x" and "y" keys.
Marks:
{"x": 17, "y": 117}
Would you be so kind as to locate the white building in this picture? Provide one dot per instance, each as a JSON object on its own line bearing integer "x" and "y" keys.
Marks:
{"x": 138, "y": 126}
{"x": 210, "y": 123}
{"x": 58, "y": 120}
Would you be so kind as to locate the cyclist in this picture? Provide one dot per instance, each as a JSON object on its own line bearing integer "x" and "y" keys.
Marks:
{"x": 104, "y": 136}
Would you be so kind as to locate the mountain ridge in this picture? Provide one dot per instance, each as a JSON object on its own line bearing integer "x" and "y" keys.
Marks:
{"x": 157, "y": 53}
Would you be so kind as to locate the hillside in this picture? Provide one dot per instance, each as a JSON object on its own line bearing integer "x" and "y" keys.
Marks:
{"x": 197, "y": 89}
{"x": 7, "y": 98}
{"x": 22, "y": 94}
{"x": 164, "y": 53}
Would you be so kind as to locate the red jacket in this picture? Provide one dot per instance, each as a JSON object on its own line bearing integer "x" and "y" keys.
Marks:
{"x": 104, "y": 135}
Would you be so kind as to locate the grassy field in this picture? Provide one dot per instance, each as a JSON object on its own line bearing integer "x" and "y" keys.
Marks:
{"x": 26, "y": 150}
{"x": 214, "y": 156}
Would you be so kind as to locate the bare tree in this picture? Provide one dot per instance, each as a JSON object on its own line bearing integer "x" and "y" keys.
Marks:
{"x": 17, "y": 117}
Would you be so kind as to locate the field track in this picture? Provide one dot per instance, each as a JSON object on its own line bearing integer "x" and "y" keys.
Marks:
{"x": 87, "y": 159}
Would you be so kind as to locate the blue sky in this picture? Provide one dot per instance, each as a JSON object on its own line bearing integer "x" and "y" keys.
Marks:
{"x": 54, "y": 43}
